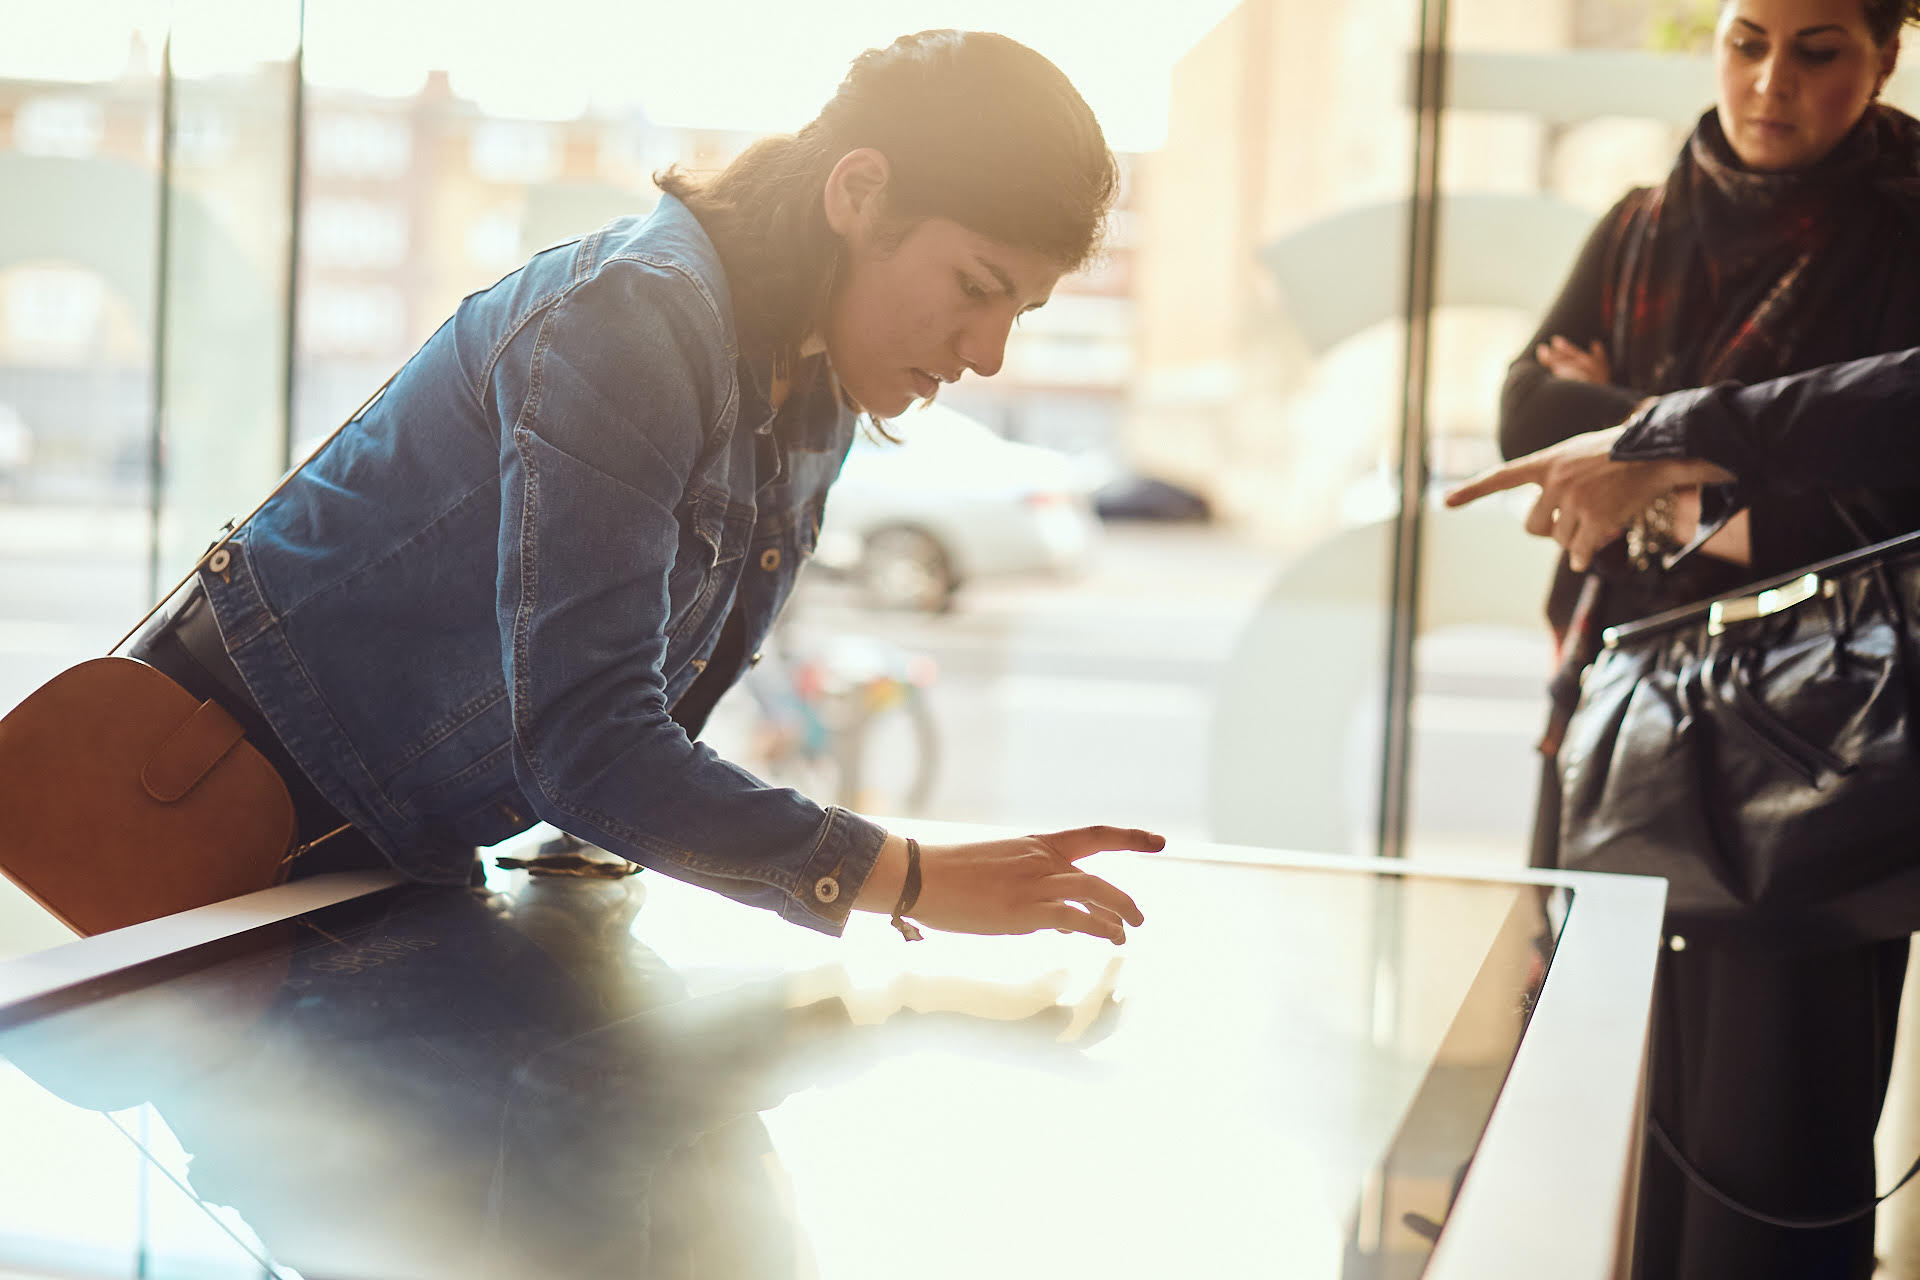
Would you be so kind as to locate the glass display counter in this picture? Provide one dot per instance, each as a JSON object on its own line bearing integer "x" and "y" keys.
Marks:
{"x": 1299, "y": 1067}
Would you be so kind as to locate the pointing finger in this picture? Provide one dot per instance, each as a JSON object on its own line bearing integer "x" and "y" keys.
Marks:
{"x": 1511, "y": 476}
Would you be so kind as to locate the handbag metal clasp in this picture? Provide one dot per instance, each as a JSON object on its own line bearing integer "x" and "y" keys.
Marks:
{"x": 1722, "y": 614}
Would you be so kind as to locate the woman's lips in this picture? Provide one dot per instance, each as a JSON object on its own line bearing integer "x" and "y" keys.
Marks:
{"x": 924, "y": 384}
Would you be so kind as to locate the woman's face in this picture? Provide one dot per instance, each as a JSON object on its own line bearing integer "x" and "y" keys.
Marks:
{"x": 913, "y": 311}
{"x": 1795, "y": 75}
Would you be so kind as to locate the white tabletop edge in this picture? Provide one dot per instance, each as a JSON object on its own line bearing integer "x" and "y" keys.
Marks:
{"x": 85, "y": 959}
{"x": 1526, "y": 1209}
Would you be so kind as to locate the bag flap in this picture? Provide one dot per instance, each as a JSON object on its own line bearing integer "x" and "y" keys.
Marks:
{"x": 192, "y": 749}
{"x": 82, "y": 760}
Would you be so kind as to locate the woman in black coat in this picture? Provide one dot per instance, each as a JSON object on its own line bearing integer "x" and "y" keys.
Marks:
{"x": 1787, "y": 237}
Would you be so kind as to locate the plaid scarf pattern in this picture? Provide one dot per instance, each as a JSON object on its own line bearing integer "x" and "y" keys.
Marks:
{"x": 1725, "y": 273}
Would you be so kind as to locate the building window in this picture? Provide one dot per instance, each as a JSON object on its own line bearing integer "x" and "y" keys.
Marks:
{"x": 514, "y": 151}
{"x": 355, "y": 234}
{"x": 203, "y": 136}
{"x": 51, "y": 313}
{"x": 58, "y": 127}
{"x": 493, "y": 241}
{"x": 336, "y": 319}
{"x": 359, "y": 146}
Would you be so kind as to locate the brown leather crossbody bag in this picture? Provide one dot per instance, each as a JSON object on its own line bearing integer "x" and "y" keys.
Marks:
{"x": 124, "y": 798}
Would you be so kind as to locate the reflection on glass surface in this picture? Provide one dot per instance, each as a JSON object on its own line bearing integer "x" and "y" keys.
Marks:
{"x": 1284, "y": 1073}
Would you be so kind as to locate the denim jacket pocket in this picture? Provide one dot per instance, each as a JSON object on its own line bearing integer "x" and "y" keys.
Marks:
{"x": 713, "y": 541}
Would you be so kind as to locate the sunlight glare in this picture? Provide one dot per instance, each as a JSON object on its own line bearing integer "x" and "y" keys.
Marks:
{"x": 751, "y": 65}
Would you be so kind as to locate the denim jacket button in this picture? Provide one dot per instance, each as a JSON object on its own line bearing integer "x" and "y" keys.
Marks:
{"x": 770, "y": 559}
{"x": 826, "y": 888}
{"x": 219, "y": 561}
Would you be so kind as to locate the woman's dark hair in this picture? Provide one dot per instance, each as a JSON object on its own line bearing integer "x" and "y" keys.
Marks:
{"x": 976, "y": 128}
{"x": 1886, "y": 17}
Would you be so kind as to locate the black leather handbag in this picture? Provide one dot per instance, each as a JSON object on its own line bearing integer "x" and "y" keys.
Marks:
{"x": 1759, "y": 752}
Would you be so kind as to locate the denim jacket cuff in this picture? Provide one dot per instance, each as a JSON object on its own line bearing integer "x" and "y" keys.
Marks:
{"x": 832, "y": 878}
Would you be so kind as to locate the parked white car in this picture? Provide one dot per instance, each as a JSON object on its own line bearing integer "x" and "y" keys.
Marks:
{"x": 953, "y": 503}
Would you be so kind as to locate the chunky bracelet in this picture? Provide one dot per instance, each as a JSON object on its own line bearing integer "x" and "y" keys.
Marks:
{"x": 1650, "y": 535}
{"x": 909, "y": 893}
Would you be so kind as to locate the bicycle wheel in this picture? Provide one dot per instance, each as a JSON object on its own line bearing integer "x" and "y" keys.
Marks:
{"x": 888, "y": 753}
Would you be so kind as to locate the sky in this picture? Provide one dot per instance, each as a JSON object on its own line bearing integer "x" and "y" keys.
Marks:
{"x": 756, "y": 65}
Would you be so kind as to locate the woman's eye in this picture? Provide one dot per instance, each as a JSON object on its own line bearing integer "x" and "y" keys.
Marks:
{"x": 971, "y": 289}
{"x": 1749, "y": 48}
{"x": 1817, "y": 57}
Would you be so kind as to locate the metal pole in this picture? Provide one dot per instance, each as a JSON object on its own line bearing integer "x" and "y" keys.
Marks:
{"x": 294, "y": 195}
{"x": 163, "y": 271}
{"x": 1422, "y": 253}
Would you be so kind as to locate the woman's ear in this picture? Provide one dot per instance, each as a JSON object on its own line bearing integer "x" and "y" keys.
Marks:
{"x": 853, "y": 194}
{"x": 1889, "y": 58}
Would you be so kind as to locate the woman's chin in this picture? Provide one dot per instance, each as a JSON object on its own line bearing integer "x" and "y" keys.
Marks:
{"x": 883, "y": 402}
{"x": 1773, "y": 153}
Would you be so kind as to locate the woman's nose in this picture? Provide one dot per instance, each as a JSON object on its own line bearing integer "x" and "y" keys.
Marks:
{"x": 1775, "y": 79}
{"x": 982, "y": 345}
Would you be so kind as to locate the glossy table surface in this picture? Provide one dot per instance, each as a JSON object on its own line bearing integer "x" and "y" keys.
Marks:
{"x": 1287, "y": 1072}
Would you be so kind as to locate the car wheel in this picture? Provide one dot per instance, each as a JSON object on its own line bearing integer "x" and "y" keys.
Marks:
{"x": 908, "y": 569}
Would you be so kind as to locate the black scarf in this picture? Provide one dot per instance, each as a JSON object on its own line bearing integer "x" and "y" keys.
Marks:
{"x": 1725, "y": 273}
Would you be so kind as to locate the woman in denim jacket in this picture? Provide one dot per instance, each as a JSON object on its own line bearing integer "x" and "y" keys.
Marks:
{"x": 514, "y": 585}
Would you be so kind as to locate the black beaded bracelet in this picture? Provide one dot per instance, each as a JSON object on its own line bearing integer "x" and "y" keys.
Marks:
{"x": 909, "y": 894}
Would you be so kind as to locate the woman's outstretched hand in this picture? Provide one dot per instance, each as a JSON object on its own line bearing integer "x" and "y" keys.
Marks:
{"x": 1019, "y": 885}
{"x": 1586, "y": 496}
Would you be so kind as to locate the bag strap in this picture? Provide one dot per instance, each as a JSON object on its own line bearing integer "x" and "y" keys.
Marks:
{"x": 1700, "y": 1182}
{"x": 232, "y": 527}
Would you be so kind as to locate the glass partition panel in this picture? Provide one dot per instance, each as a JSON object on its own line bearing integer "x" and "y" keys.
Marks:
{"x": 79, "y": 158}
{"x": 1553, "y": 111}
{"x": 225, "y": 272}
{"x": 1273, "y": 354}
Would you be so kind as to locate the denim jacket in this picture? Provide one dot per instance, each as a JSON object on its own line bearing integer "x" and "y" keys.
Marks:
{"x": 480, "y": 604}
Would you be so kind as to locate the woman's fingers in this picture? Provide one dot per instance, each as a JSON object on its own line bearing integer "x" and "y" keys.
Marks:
{"x": 1078, "y": 886}
{"x": 1541, "y": 516}
{"x": 1027, "y": 883}
{"x": 1068, "y": 918}
{"x": 1560, "y": 360}
{"x": 1582, "y": 364}
{"x": 1566, "y": 532}
{"x": 1567, "y": 361}
{"x": 1081, "y": 842}
{"x": 1583, "y": 534}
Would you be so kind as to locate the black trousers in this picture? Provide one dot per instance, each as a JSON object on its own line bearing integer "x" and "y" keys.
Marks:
{"x": 185, "y": 645}
{"x": 1769, "y": 1071}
